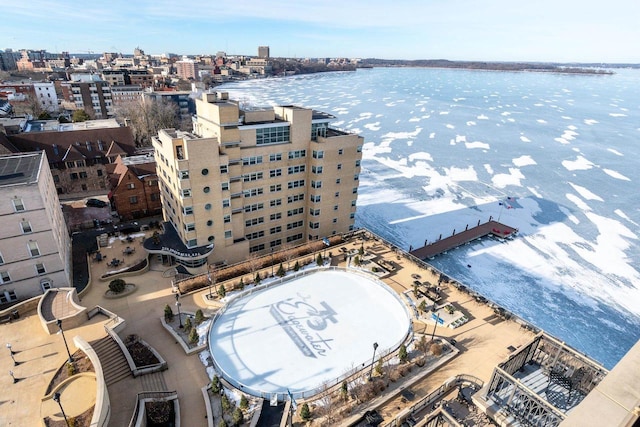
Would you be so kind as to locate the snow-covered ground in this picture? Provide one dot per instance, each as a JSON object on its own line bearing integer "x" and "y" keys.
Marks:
{"x": 553, "y": 155}
{"x": 306, "y": 332}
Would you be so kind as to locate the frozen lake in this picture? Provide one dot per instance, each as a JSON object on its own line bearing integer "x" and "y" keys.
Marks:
{"x": 306, "y": 332}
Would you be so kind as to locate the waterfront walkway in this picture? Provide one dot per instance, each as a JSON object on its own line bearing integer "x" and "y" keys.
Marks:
{"x": 489, "y": 228}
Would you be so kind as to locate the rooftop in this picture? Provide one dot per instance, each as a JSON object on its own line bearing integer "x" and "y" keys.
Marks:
{"x": 19, "y": 169}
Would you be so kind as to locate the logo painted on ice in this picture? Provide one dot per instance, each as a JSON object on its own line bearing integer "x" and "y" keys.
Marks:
{"x": 303, "y": 321}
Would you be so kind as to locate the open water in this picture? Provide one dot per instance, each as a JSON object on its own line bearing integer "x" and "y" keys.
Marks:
{"x": 553, "y": 155}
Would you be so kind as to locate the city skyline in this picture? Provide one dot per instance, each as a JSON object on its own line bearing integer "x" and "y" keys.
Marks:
{"x": 546, "y": 31}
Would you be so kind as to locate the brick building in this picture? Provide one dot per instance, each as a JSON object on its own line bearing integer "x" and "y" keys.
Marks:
{"x": 134, "y": 187}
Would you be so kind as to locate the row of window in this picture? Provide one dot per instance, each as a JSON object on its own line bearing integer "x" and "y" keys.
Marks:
{"x": 6, "y": 278}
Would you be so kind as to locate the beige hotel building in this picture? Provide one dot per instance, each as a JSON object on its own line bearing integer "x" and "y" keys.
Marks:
{"x": 251, "y": 181}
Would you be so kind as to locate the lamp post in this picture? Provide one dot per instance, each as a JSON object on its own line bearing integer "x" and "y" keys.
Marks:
{"x": 375, "y": 347}
{"x": 59, "y": 323}
{"x": 56, "y": 397}
{"x": 434, "y": 325}
{"x": 210, "y": 282}
{"x": 271, "y": 262}
{"x": 11, "y": 353}
{"x": 15, "y": 380}
{"x": 179, "y": 315}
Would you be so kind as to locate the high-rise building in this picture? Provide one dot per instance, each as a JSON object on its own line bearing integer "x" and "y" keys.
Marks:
{"x": 187, "y": 69}
{"x": 263, "y": 52}
{"x": 36, "y": 248}
{"x": 253, "y": 180}
{"x": 90, "y": 93}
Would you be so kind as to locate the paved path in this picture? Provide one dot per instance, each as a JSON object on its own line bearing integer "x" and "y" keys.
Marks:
{"x": 493, "y": 228}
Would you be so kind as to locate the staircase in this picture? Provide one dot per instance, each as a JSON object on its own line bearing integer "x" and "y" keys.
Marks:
{"x": 154, "y": 384}
{"x": 114, "y": 364}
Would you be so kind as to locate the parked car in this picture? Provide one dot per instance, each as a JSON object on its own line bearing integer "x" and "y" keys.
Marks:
{"x": 96, "y": 203}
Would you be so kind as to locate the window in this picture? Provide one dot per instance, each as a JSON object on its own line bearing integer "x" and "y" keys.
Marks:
{"x": 1, "y": 259}
{"x": 253, "y": 221}
{"x": 133, "y": 200}
{"x": 316, "y": 169}
{"x": 275, "y": 230}
{"x": 314, "y": 225}
{"x": 275, "y": 216}
{"x": 356, "y": 177}
{"x": 224, "y": 186}
{"x": 275, "y": 172}
{"x": 226, "y": 203}
{"x": 56, "y": 178}
{"x": 228, "y": 234}
{"x": 316, "y": 184}
{"x": 73, "y": 176}
{"x": 33, "y": 249}
{"x": 294, "y": 237}
{"x": 318, "y": 154}
{"x": 295, "y": 184}
{"x": 295, "y": 198}
{"x": 192, "y": 243}
{"x": 253, "y": 160}
{"x": 154, "y": 197}
{"x": 335, "y": 207}
{"x": 7, "y": 296}
{"x": 314, "y": 212}
{"x": 296, "y": 169}
{"x": 352, "y": 215}
{"x": 187, "y": 210}
{"x": 207, "y": 206}
{"x": 359, "y": 149}
{"x": 254, "y": 207}
{"x": 272, "y": 135}
{"x": 253, "y": 192}
{"x": 190, "y": 227}
{"x": 255, "y": 235}
{"x": 99, "y": 172}
{"x": 210, "y": 222}
{"x": 357, "y": 163}
{"x": 275, "y": 243}
{"x": 82, "y": 175}
{"x": 252, "y": 176}
{"x": 355, "y": 190}
{"x": 40, "y": 269}
{"x": 131, "y": 186}
{"x": 80, "y": 163}
{"x": 276, "y": 202}
{"x": 205, "y": 171}
{"x": 275, "y": 157}
{"x": 183, "y": 174}
{"x": 340, "y": 151}
{"x": 353, "y": 203}
{"x": 339, "y": 166}
{"x": 4, "y": 277}
{"x": 275, "y": 188}
{"x": 71, "y": 165}
{"x": 338, "y": 181}
{"x": 224, "y": 168}
{"x": 315, "y": 198}
{"x": 45, "y": 284}
{"x": 295, "y": 224}
{"x": 297, "y": 154}
{"x": 318, "y": 129}
{"x": 26, "y": 227}
{"x": 335, "y": 220}
{"x": 337, "y": 194}
{"x": 295, "y": 211}
{"x": 256, "y": 248}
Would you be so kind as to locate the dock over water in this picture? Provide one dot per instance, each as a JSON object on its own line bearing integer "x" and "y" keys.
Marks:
{"x": 490, "y": 228}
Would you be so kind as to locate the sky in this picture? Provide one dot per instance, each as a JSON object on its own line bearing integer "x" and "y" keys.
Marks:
{"x": 488, "y": 30}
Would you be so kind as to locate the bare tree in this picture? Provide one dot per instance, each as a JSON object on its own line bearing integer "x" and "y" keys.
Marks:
{"x": 146, "y": 117}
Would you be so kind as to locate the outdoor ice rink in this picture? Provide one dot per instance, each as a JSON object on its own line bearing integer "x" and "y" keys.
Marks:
{"x": 306, "y": 332}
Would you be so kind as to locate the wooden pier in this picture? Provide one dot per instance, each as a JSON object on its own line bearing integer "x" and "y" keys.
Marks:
{"x": 490, "y": 228}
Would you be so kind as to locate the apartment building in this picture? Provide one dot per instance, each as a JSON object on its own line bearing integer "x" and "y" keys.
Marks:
{"x": 251, "y": 181}
{"x": 187, "y": 69}
{"x": 35, "y": 248}
{"x": 88, "y": 92}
